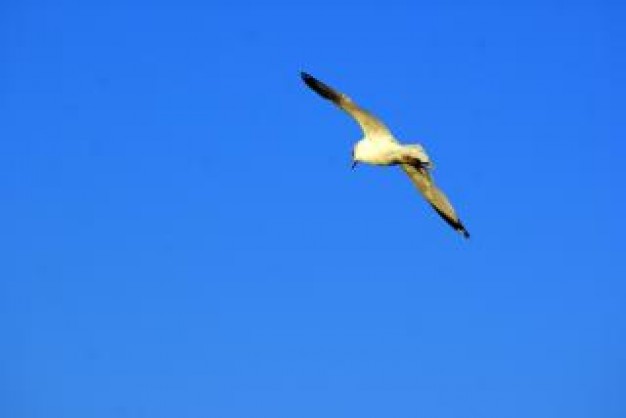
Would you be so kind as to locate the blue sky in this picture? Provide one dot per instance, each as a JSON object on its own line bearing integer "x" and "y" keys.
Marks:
{"x": 182, "y": 235}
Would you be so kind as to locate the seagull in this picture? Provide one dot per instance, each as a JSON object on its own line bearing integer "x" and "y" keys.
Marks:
{"x": 379, "y": 147}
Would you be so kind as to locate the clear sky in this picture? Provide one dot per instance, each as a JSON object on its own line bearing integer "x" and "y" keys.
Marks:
{"x": 182, "y": 236}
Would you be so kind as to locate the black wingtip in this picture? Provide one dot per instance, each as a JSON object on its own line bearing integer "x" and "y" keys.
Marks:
{"x": 458, "y": 225}
{"x": 319, "y": 87}
{"x": 454, "y": 223}
{"x": 307, "y": 78}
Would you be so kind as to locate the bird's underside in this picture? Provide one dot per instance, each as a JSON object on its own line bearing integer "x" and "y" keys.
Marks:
{"x": 378, "y": 139}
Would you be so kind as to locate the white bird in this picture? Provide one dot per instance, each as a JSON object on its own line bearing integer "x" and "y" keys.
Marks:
{"x": 380, "y": 147}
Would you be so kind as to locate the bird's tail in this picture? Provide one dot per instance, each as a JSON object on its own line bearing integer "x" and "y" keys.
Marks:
{"x": 418, "y": 152}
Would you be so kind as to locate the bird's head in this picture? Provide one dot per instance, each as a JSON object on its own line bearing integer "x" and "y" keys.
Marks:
{"x": 357, "y": 151}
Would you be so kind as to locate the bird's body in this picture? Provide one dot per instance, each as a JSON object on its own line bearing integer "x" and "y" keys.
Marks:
{"x": 389, "y": 153}
{"x": 380, "y": 147}
{"x": 377, "y": 153}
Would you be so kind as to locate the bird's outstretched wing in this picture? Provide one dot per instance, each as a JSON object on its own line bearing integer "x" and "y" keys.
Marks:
{"x": 437, "y": 199}
{"x": 372, "y": 127}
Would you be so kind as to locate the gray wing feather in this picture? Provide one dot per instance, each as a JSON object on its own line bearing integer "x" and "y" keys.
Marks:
{"x": 372, "y": 127}
{"x": 438, "y": 200}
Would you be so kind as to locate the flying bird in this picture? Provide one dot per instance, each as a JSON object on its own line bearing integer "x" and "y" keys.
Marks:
{"x": 379, "y": 147}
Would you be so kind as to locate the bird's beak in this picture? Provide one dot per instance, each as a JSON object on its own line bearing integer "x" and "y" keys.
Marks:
{"x": 354, "y": 163}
